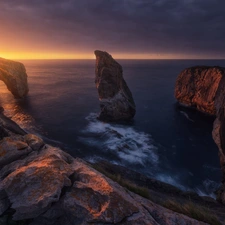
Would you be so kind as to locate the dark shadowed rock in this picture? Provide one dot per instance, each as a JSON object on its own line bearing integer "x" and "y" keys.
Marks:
{"x": 13, "y": 74}
{"x": 197, "y": 87}
{"x": 116, "y": 101}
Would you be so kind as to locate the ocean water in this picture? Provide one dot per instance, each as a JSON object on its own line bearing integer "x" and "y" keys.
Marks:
{"x": 164, "y": 141}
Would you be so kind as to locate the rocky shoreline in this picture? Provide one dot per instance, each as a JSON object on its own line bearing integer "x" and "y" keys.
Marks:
{"x": 43, "y": 185}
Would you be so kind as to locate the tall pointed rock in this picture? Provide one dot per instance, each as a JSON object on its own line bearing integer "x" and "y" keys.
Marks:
{"x": 116, "y": 100}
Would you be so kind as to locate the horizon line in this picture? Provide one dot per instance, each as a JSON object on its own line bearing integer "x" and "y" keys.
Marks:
{"x": 118, "y": 58}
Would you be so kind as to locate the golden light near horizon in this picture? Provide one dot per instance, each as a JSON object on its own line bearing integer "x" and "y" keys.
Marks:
{"x": 28, "y": 55}
{"x": 48, "y": 55}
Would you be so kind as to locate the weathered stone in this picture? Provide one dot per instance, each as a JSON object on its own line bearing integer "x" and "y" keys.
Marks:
{"x": 197, "y": 87}
{"x": 116, "y": 101}
{"x": 32, "y": 188}
{"x": 4, "y": 202}
{"x": 10, "y": 126}
{"x": 10, "y": 150}
{"x": 21, "y": 145}
{"x": 218, "y": 134}
{"x": 95, "y": 199}
{"x": 34, "y": 141}
{"x": 13, "y": 74}
{"x": 203, "y": 87}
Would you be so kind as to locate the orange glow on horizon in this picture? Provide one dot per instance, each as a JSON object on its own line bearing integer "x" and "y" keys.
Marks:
{"x": 28, "y": 55}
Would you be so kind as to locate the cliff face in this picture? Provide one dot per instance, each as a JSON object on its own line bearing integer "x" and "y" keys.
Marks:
{"x": 44, "y": 185}
{"x": 204, "y": 88}
{"x": 197, "y": 87}
{"x": 13, "y": 74}
{"x": 116, "y": 101}
{"x": 219, "y": 133}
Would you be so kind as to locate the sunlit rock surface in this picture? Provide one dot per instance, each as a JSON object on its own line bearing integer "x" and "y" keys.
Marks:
{"x": 13, "y": 74}
{"x": 197, "y": 87}
{"x": 53, "y": 188}
{"x": 116, "y": 101}
{"x": 47, "y": 186}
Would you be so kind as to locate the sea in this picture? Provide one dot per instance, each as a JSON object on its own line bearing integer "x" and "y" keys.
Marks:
{"x": 164, "y": 141}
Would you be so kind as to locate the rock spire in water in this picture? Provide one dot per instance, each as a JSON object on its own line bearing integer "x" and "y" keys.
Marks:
{"x": 116, "y": 101}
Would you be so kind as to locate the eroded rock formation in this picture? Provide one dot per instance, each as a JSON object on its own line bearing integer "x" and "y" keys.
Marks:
{"x": 204, "y": 88}
{"x": 197, "y": 87}
{"x": 41, "y": 184}
{"x": 116, "y": 101}
{"x": 13, "y": 74}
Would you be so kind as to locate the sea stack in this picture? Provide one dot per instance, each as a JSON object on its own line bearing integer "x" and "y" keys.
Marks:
{"x": 13, "y": 74}
{"x": 116, "y": 100}
{"x": 197, "y": 87}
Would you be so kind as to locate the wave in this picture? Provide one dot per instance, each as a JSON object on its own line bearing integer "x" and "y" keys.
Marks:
{"x": 173, "y": 180}
{"x": 187, "y": 116}
{"x": 128, "y": 144}
{"x": 208, "y": 188}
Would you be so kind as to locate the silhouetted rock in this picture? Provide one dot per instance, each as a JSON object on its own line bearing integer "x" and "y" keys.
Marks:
{"x": 197, "y": 87}
{"x": 13, "y": 74}
{"x": 116, "y": 101}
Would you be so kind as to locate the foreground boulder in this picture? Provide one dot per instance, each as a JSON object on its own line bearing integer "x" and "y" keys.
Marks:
{"x": 116, "y": 101}
{"x": 50, "y": 187}
{"x": 197, "y": 87}
{"x": 13, "y": 74}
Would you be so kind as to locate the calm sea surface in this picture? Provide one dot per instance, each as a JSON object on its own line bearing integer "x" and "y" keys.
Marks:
{"x": 163, "y": 141}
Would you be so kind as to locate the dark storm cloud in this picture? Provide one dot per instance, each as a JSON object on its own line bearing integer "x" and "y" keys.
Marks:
{"x": 174, "y": 26}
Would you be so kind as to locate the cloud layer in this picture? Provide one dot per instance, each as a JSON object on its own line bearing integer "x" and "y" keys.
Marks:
{"x": 127, "y": 26}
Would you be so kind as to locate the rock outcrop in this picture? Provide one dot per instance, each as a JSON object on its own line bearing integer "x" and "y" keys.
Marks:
{"x": 116, "y": 101}
{"x": 197, "y": 87}
{"x": 41, "y": 184}
{"x": 13, "y": 74}
{"x": 204, "y": 88}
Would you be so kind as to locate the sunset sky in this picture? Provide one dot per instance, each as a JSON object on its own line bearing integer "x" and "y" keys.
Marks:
{"x": 125, "y": 28}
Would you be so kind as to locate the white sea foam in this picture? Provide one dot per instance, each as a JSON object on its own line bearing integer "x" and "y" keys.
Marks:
{"x": 127, "y": 143}
{"x": 173, "y": 180}
{"x": 187, "y": 116}
{"x": 208, "y": 188}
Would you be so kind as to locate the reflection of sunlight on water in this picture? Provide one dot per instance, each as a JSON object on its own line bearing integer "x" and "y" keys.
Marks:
{"x": 12, "y": 108}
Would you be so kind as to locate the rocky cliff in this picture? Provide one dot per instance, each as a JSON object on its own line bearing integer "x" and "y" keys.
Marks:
{"x": 197, "y": 87}
{"x": 13, "y": 74}
{"x": 219, "y": 133}
{"x": 116, "y": 101}
{"x": 41, "y": 184}
{"x": 204, "y": 88}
